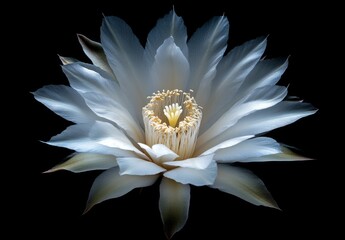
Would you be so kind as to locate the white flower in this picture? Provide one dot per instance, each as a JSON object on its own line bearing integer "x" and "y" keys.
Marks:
{"x": 137, "y": 119}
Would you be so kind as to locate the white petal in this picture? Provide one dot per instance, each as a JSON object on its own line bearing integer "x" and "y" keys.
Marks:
{"x": 243, "y": 184}
{"x": 231, "y": 72}
{"x": 83, "y": 162}
{"x": 159, "y": 153}
{"x": 262, "y": 98}
{"x": 173, "y": 205}
{"x": 110, "y": 184}
{"x": 137, "y": 166}
{"x": 106, "y": 134}
{"x": 197, "y": 177}
{"x": 206, "y": 49}
{"x": 228, "y": 143}
{"x": 76, "y": 137}
{"x": 65, "y": 102}
{"x": 285, "y": 155}
{"x": 171, "y": 68}
{"x": 266, "y": 72}
{"x": 252, "y": 148}
{"x": 110, "y": 109}
{"x": 67, "y": 60}
{"x": 169, "y": 25}
{"x": 200, "y": 162}
{"x": 282, "y": 114}
{"x": 95, "y": 52}
{"x": 125, "y": 57}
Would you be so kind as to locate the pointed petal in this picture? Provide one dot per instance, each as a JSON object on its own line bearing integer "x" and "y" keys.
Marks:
{"x": 110, "y": 184}
{"x": 67, "y": 60}
{"x": 159, "y": 153}
{"x": 197, "y": 177}
{"x": 226, "y": 144}
{"x": 200, "y": 162}
{"x": 170, "y": 25}
{"x": 285, "y": 155}
{"x": 246, "y": 150}
{"x": 125, "y": 57}
{"x": 206, "y": 49}
{"x": 137, "y": 166}
{"x": 95, "y": 52}
{"x": 110, "y": 109}
{"x": 66, "y": 102}
{"x": 171, "y": 68}
{"x": 262, "y": 98}
{"x": 232, "y": 71}
{"x": 243, "y": 184}
{"x": 77, "y": 138}
{"x": 282, "y": 114}
{"x": 173, "y": 205}
{"x": 83, "y": 162}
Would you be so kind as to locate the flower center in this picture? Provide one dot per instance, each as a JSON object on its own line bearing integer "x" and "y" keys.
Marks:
{"x": 172, "y": 118}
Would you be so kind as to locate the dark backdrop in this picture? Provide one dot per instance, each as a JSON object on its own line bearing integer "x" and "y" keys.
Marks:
{"x": 50, "y": 205}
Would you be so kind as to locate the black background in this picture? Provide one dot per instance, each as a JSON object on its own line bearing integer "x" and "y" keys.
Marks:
{"x": 52, "y": 204}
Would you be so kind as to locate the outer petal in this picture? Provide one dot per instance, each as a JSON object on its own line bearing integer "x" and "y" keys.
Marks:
{"x": 66, "y": 102}
{"x": 110, "y": 184}
{"x": 231, "y": 72}
{"x": 171, "y": 68}
{"x": 206, "y": 49}
{"x": 264, "y": 97}
{"x": 76, "y": 137}
{"x": 197, "y": 177}
{"x": 252, "y": 148}
{"x": 95, "y": 52}
{"x": 243, "y": 184}
{"x": 83, "y": 162}
{"x": 67, "y": 60}
{"x": 173, "y": 205}
{"x": 170, "y": 25}
{"x": 200, "y": 162}
{"x": 138, "y": 166}
{"x": 285, "y": 155}
{"x": 125, "y": 57}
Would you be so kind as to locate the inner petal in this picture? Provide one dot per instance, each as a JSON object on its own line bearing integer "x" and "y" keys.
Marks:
{"x": 172, "y": 118}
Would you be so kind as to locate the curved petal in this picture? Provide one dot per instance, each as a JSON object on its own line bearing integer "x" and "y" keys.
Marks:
{"x": 206, "y": 49}
{"x": 285, "y": 155}
{"x": 244, "y": 151}
{"x": 243, "y": 184}
{"x": 171, "y": 68}
{"x": 173, "y": 205}
{"x": 160, "y": 153}
{"x": 67, "y": 60}
{"x": 110, "y": 109}
{"x": 138, "y": 166}
{"x": 95, "y": 52}
{"x": 77, "y": 138}
{"x": 262, "y": 98}
{"x": 66, "y": 102}
{"x": 197, "y": 177}
{"x": 170, "y": 25}
{"x": 82, "y": 162}
{"x": 125, "y": 56}
{"x": 110, "y": 184}
{"x": 200, "y": 162}
{"x": 232, "y": 70}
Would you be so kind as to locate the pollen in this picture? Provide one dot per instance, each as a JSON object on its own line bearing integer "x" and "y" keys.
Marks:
{"x": 172, "y": 118}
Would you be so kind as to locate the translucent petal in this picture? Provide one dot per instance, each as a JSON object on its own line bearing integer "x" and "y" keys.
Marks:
{"x": 66, "y": 102}
{"x": 206, "y": 49}
{"x": 243, "y": 184}
{"x": 110, "y": 184}
{"x": 171, "y": 68}
{"x": 200, "y": 162}
{"x": 138, "y": 166}
{"x": 82, "y": 162}
{"x": 173, "y": 205}
{"x": 197, "y": 177}
{"x": 252, "y": 148}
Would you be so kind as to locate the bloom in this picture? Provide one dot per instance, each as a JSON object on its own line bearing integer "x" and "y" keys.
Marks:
{"x": 177, "y": 111}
